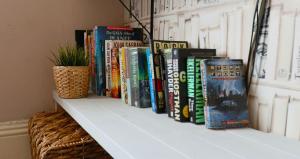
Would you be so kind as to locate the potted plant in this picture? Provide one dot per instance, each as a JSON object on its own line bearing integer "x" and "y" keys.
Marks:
{"x": 71, "y": 72}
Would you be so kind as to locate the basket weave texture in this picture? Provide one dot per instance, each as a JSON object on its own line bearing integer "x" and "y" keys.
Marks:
{"x": 71, "y": 81}
{"x": 58, "y": 136}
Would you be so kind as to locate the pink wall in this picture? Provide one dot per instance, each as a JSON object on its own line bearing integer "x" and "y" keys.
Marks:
{"x": 29, "y": 30}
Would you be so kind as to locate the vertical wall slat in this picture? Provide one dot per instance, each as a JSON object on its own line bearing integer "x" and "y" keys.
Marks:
{"x": 285, "y": 46}
{"x": 293, "y": 124}
{"x": 273, "y": 40}
{"x": 279, "y": 114}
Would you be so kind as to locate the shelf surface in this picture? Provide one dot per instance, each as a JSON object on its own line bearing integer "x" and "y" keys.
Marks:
{"x": 138, "y": 133}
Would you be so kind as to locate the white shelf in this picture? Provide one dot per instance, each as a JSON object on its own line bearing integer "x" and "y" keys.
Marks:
{"x": 128, "y": 132}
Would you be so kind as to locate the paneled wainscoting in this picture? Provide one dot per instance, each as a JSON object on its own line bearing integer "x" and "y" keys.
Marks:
{"x": 226, "y": 25}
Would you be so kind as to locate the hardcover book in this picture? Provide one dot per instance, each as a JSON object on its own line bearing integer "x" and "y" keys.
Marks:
{"x": 224, "y": 93}
{"x": 155, "y": 65}
{"x": 139, "y": 82}
{"x": 179, "y": 59}
{"x": 109, "y": 45}
{"x": 103, "y": 33}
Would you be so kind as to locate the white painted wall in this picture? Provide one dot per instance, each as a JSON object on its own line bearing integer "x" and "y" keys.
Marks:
{"x": 226, "y": 25}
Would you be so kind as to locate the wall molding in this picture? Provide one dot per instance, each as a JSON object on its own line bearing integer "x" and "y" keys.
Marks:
{"x": 13, "y": 128}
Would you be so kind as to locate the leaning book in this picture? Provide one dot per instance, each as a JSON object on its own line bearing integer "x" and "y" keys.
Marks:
{"x": 224, "y": 93}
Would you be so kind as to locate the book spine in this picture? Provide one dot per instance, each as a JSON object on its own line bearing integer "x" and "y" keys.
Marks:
{"x": 93, "y": 62}
{"x": 176, "y": 85}
{"x": 151, "y": 80}
{"x": 204, "y": 90}
{"x": 102, "y": 70}
{"x": 128, "y": 76}
{"x": 191, "y": 86}
{"x": 143, "y": 80}
{"x": 198, "y": 95}
{"x": 180, "y": 87}
{"x": 115, "y": 74}
{"x": 98, "y": 62}
{"x": 134, "y": 78}
{"x": 108, "y": 47}
{"x": 122, "y": 59}
{"x": 169, "y": 83}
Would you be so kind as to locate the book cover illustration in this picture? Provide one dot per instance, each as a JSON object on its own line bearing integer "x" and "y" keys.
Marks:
{"x": 123, "y": 73}
{"x": 139, "y": 82}
{"x": 109, "y": 45}
{"x": 103, "y": 33}
{"x": 225, "y": 93}
{"x": 115, "y": 74}
{"x": 155, "y": 65}
{"x": 179, "y": 56}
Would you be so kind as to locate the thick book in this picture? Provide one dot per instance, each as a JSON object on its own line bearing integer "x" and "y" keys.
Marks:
{"x": 225, "y": 95}
{"x": 103, "y": 33}
{"x": 194, "y": 85}
{"x": 179, "y": 59}
{"x": 168, "y": 81}
{"x": 154, "y": 60}
{"x": 139, "y": 82}
{"x": 109, "y": 45}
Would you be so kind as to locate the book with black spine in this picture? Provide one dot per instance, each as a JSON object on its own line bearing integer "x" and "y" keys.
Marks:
{"x": 179, "y": 60}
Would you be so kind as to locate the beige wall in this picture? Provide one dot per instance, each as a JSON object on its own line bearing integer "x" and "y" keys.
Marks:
{"x": 29, "y": 30}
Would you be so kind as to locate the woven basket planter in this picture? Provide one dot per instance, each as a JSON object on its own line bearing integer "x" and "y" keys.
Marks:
{"x": 71, "y": 81}
{"x": 57, "y": 136}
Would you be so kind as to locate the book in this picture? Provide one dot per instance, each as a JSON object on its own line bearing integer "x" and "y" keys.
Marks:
{"x": 154, "y": 61}
{"x": 115, "y": 74}
{"x": 103, "y": 33}
{"x": 139, "y": 82}
{"x": 224, "y": 91}
{"x": 109, "y": 45}
{"x": 179, "y": 59}
{"x": 123, "y": 52}
{"x": 80, "y": 38}
{"x": 194, "y": 85}
{"x": 168, "y": 81}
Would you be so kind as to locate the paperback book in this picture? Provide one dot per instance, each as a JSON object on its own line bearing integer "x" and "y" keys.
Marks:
{"x": 224, "y": 93}
{"x": 195, "y": 95}
{"x": 139, "y": 82}
{"x": 103, "y": 33}
{"x": 109, "y": 46}
{"x": 155, "y": 65}
{"x": 179, "y": 60}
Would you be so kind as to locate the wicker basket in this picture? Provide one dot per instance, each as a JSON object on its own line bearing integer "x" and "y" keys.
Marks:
{"x": 71, "y": 81}
{"x": 58, "y": 136}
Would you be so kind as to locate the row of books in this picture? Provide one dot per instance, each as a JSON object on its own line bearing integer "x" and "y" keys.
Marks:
{"x": 190, "y": 85}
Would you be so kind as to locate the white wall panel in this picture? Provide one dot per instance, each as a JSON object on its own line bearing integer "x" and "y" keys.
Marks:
{"x": 279, "y": 114}
{"x": 293, "y": 125}
{"x": 273, "y": 41}
{"x": 287, "y": 27}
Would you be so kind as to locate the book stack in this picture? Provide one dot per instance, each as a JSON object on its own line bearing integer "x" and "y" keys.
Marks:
{"x": 189, "y": 84}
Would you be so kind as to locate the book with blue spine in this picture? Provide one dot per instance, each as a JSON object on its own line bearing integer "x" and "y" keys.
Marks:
{"x": 103, "y": 33}
{"x": 225, "y": 95}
